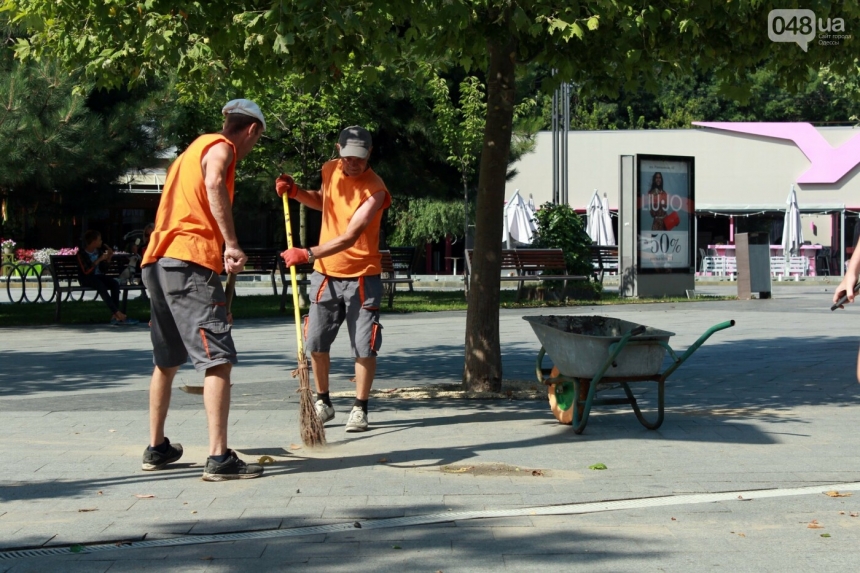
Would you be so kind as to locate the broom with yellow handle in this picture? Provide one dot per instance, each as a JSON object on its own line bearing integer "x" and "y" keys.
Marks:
{"x": 311, "y": 428}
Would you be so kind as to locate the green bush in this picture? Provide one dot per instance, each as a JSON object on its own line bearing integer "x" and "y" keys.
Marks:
{"x": 419, "y": 221}
{"x": 559, "y": 227}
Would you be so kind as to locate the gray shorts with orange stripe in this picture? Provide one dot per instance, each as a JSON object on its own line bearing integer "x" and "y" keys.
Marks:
{"x": 335, "y": 300}
{"x": 189, "y": 315}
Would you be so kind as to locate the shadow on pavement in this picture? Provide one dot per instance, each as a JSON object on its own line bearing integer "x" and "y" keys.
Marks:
{"x": 792, "y": 370}
{"x": 439, "y": 547}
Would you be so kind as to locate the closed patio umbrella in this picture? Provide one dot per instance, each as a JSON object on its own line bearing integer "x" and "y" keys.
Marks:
{"x": 599, "y": 226}
{"x": 609, "y": 234}
{"x": 519, "y": 221}
{"x": 792, "y": 232}
{"x": 594, "y": 218}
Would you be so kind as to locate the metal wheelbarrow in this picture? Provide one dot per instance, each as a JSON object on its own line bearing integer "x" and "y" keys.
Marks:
{"x": 591, "y": 350}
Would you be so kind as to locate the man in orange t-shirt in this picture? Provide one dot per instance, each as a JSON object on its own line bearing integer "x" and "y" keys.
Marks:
{"x": 181, "y": 268}
{"x": 346, "y": 284}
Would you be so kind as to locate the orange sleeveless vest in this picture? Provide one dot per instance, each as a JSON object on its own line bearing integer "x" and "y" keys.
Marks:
{"x": 184, "y": 226}
{"x": 342, "y": 196}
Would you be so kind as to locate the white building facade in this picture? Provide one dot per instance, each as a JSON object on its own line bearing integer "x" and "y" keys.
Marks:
{"x": 737, "y": 176}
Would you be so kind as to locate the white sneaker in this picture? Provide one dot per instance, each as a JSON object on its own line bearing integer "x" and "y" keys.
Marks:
{"x": 324, "y": 412}
{"x": 357, "y": 420}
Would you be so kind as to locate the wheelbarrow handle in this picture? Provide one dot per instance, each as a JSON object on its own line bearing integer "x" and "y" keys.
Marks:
{"x": 707, "y": 335}
{"x": 695, "y": 346}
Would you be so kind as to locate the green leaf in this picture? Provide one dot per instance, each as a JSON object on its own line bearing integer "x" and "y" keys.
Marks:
{"x": 556, "y": 24}
{"x": 825, "y": 535}
{"x": 22, "y": 48}
{"x": 577, "y": 30}
{"x": 280, "y": 45}
{"x": 521, "y": 21}
{"x": 593, "y": 23}
{"x": 597, "y": 467}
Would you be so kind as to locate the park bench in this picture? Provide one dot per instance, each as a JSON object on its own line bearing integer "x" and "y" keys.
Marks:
{"x": 390, "y": 268}
{"x": 403, "y": 260}
{"x": 305, "y": 269}
{"x": 64, "y": 272}
{"x": 390, "y": 280}
{"x": 262, "y": 262}
{"x": 523, "y": 265}
{"x": 604, "y": 259}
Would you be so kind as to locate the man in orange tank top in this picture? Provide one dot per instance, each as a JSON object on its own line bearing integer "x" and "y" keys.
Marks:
{"x": 181, "y": 271}
{"x": 346, "y": 284}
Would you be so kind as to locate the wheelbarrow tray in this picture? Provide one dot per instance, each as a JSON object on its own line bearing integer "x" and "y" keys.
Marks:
{"x": 579, "y": 345}
{"x": 590, "y": 350}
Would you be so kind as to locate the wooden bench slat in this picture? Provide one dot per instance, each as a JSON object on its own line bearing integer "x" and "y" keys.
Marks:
{"x": 530, "y": 265}
{"x": 262, "y": 261}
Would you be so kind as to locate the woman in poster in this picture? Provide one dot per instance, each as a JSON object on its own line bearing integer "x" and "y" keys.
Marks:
{"x": 658, "y": 202}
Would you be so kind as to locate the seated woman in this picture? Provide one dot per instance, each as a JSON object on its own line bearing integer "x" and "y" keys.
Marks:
{"x": 91, "y": 261}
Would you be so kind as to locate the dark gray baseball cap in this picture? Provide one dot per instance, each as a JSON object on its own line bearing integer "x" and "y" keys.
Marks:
{"x": 355, "y": 141}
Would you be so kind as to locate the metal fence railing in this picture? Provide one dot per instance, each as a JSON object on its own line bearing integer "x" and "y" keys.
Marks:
{"x": 29, "y": 282}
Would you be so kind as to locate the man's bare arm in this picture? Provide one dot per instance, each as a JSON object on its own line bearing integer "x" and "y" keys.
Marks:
{"x": 359, "y": 221}
{"x": 312, "y": 199}
{"x": 215, "y": 164}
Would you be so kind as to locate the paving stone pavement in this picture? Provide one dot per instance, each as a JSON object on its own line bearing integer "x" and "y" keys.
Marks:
{"x": 770, "y": 403}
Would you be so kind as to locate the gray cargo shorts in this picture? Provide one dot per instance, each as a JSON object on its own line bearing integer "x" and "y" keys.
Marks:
{"x": 334, "y": 300}
{"x": 189, "y": 315}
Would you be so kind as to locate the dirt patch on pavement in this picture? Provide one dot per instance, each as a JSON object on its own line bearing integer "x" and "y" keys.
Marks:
{"x": 511, "y": 390}
{"x": 493, "y": 470}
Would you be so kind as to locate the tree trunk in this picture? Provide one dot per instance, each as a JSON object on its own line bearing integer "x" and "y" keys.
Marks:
{"x": 304, "y": 301}
{"x": 303, "y": 221}
{"x": 483, "y": 367}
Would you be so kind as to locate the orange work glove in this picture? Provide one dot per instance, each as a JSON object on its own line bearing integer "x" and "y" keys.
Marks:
{"x": 285, "y": 184}
{"x": 295, "y": 256}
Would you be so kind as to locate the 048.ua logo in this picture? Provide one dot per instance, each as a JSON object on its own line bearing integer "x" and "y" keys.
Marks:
{"x": 799, "y": 26}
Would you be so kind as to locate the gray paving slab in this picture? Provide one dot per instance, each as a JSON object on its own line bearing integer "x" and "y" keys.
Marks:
{"x": 770, "y": 403}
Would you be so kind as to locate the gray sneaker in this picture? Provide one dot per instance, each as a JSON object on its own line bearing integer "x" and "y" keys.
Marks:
{"x": 357, "y": 420}
{"x": 232, "y": 468}
{"x": 324, "y": 412}
{"x": 155, "y": 460}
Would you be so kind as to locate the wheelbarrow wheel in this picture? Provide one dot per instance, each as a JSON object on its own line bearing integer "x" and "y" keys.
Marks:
{"x": 561, "y": 398}
{"x": 563, "y": 416}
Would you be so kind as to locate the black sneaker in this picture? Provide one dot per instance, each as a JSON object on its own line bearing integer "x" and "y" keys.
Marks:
{"x": 233, "y": 468}
{"x": 155, "y": 460}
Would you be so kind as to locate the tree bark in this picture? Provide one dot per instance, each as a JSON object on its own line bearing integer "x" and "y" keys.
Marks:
{"x": 483, "y": 365}
{"x": 304, "y": 301}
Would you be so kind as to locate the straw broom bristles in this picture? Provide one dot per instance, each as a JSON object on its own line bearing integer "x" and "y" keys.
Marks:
{"x": 311, "y": 428}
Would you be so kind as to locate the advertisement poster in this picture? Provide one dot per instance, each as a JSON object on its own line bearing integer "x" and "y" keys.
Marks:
{"x": 665, "y": 213}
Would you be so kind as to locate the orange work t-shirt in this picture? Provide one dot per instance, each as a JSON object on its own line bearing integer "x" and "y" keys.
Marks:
{"x": 341, "y": 197}
{"x": 184, "y": 226}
